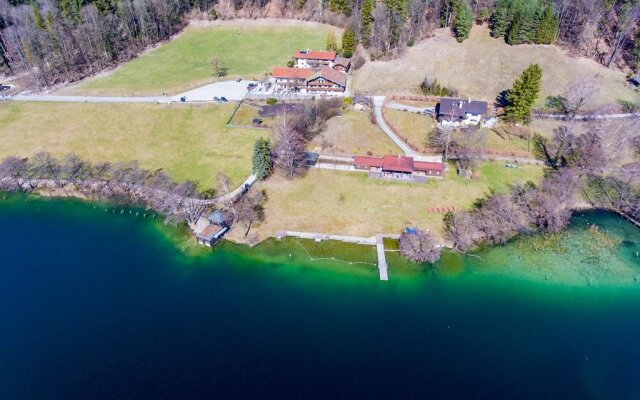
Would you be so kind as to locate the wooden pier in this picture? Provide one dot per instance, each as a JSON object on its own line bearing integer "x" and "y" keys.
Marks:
{"x": 382, "y": 259}
{"x": 377, "y": 240}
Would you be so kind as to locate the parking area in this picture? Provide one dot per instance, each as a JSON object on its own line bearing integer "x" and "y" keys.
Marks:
{"x": 230, "y": 90}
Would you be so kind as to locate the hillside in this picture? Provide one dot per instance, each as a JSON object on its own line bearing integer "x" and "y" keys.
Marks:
{"x": 481, "y": 67}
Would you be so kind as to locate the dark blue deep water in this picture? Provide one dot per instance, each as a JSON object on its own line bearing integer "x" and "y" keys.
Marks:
{"x": 99, "y": 305}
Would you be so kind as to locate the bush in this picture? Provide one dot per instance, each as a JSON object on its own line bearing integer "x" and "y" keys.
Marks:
{"x": 629, "y": 106}
{"x": 435, "y": 89}
{"x": 358, "y": 61}
{"x": 271, "y": 101}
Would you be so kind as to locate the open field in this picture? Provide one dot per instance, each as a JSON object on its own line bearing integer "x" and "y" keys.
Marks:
{"x": 482, "y": 67}
{"x": 188, "y": 142}
{"x": 247, "y": 51}
{"x": 351, "y": 134}
{"x": 351, "y": 204}
{"x": 414, "y": 127}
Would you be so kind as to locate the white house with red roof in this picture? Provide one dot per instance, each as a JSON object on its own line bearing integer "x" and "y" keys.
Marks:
{"x": 325, "y": 80}
{"x": 401, "y": 168}
{"x": 314, "y": 59}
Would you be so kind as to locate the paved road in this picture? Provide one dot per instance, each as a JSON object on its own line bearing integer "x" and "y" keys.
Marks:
{"x": 232, "y": 90}
{"x": 402, "y": 107}
{"x": 378, "y": 102}
{"x": 90, "y": 99}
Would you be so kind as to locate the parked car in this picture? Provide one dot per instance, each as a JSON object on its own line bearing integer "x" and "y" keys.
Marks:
{"x": 223, "y": 99}
{"x": 238, "y": 80}
{"x": 251, "y": 86}
{"x": 216, "y": 99}
{"x": 4, "y": 88}
{"x": 183, "y": 99}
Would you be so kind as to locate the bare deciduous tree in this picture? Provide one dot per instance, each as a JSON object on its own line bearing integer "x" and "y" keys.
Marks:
{"x": 289, "y": 149}
{"x": 419, "y": 247}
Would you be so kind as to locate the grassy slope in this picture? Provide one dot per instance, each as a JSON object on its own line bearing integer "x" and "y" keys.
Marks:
{"x": 189, "y": 142}
{"x": 183, "y": 63}
{"x": 482, "y": 67}
{"x": 414, "y": 127}
{"x": 350, "y": 203}
{"x": 352, "y": 134}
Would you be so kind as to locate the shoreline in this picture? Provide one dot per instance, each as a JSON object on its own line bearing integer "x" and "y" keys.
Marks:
{"x": 520, "y": 259}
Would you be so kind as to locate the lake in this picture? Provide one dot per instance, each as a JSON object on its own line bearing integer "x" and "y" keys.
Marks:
{"x": 100, "y": 303}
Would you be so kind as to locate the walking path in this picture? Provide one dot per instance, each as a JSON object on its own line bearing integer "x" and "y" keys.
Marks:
{"x": 378, "y": 102}
{"x": 588, "y": 117}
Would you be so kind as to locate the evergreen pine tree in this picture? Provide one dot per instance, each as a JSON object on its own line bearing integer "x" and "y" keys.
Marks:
{"x": 500, "y": 19}
{"x": 548, "y": 28}
{"x": 523, "y": 94}
{"x": 332, "y": 42}
{"x": 463, "y": 20}
{"x": 262, "y": 158}
{"x": 366, "y": 20}
{"x": 513, "y": 35}
{"x": 349, "y": 42}
{"x": 37, "y": 16}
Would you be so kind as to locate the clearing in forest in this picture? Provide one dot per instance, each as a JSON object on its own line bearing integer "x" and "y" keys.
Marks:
{"x": 481, "y": 67}
{"x": 186, "y": 141}
{"x": 185, "y": 62}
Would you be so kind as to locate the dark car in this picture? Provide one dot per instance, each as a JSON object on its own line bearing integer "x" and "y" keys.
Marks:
{"x": 216, "y": 99}
{"x": 238, "y": 80}
{"x": 223, "y": 99}
{"x": 183, "y": 99}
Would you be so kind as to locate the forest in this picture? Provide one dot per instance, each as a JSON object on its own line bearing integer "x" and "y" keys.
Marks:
{"x": 57, "y": 41}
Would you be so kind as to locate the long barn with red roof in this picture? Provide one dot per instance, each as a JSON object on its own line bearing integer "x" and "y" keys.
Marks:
{"x": 399, "y": 168}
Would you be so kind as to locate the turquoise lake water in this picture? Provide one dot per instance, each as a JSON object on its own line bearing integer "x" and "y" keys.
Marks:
{"x": 98, "y": 304}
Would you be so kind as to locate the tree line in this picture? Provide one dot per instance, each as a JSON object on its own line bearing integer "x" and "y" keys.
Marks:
{"x": 582, "y": 166}
{"x": 127, "y": 182}
{"x": 64, "y": 40}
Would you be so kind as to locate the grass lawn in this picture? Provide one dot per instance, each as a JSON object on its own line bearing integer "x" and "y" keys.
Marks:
{"x": 188, "y": 142}
{"x": 349, "y": 203}
{"x": 414, "y": 127}
{"x": 351, "y": 134}
{"x": 482, "y": 67}
{"x": 183, "y": 63}
{"x": 505, "y": 142}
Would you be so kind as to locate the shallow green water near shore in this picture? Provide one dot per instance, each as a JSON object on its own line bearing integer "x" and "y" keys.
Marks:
{"x": 98, "y": 302}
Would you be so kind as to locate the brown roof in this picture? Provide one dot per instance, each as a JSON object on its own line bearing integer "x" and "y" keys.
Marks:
{"x": 399, "y": 163}
{"x": 345, "y": 62}
{"x": 428, "y": 166}
{"x": 368, "y": 161}
{"x": 291, "y": 73}
{"x": 210, "y": 231}
{"x": 315, "y": 55}
{"x": 330, "y": 74}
